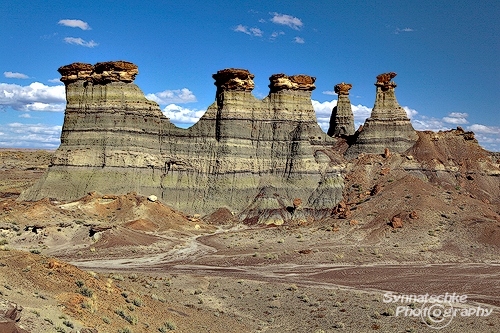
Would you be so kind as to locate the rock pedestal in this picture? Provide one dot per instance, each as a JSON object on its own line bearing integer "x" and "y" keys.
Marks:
{"x": 388, "y": 126}
{"x": 342, "y": 119}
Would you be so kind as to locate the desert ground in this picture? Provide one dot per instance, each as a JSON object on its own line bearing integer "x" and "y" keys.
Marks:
{"x": 123, "y": 263}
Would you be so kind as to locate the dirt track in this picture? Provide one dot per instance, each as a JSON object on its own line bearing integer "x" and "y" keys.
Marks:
{"x": 479, "y": 281}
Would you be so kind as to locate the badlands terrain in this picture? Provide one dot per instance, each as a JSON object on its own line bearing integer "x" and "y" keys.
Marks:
{"x": 251, "y": 220}
{"x": 127, "y": 264}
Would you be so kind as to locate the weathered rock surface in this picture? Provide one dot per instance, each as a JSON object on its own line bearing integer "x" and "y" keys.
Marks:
{"x": 295, "y": 82}
{"x": 342, "y": 119}
{"x": 10, "y": 314}
{"x": 388, "y": 126}
{"x": 116, "y": 141}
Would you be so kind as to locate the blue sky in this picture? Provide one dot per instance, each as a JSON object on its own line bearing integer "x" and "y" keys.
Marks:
{"x": 446, "y": 54}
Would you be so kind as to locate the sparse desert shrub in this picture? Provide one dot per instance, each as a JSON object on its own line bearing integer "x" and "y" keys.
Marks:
{"x": 125, "y": 294}
{"x": 106, "y": 320}
{"x": 68, "y": 324}
{"x": 49, "y": 321}
{"x": 4, "y": 242}
{"x": 168, "y": 326}
{"x": 120, "y": 312}
{"x": 117, "y": 277}
{"x": 388, "y": 312}
{"x": 137, "y": 302}
{"x": 303, "y": 298}
{"x": 131, "y": 319}
{"x": 86, "y": 292}
{"x": 80, "y": 283}
{"x": 35, "y": 251}
{"x": 339, "y": 325}
{"x": 125, "y": 330}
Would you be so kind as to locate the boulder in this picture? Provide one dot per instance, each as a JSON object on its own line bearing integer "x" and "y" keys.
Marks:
{"x": 396, "y": 222}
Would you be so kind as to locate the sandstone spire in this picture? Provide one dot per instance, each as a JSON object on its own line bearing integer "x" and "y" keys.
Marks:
{"x": 342, "y": 119}
{"x": 388, "y": 126}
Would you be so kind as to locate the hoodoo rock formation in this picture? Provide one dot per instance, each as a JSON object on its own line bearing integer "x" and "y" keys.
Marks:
{"x": 388, "y": 126}
{"x": 116, "y": 141}
{"x": 342, "y": 119}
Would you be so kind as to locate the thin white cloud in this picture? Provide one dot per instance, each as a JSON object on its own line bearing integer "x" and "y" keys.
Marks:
{"x": 410, "y": 112}
{"x": 400, "y": 30}
{"x": 56, "y": 80}
{"x": 324, "y": 112}
{"x": 25, "y": 115}
{"x": 18, "y": 135}
{"x": 35, "y": 97}
{"x": 80, "y": 41}
{"x": 299, "y": 40}
{"x": 179, "y": 115}
{"x": 183, "y": 95}
{"x": 288, "y": 20}
{"x": 75, "y": 24}
{"x": 256, "y": 32}
{"x": 477, "y": 128}
{"x": 329, "y": 92}
{"x": 249, "y": 31}
{"x": 276, "y": 34}
{"x": 457, "y": 118}
{"x": 15, "y": 75}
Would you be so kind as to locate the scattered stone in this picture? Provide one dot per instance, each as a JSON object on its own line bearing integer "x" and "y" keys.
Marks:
{"x": 297, "y": 202}
{"x": 413, "y": 215}
{"x": 153, "y": 198}
{"x": 353, "y": 222}
{"x": 396, "y": 222}
{"x": 387, "y": 153}
{"x": 385, "y": 171}
{"x": 10, "y": 314}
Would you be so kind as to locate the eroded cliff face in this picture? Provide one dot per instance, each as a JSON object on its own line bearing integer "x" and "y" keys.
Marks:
{"x": 388, "y": 126}
{"x": 114, "y": 140}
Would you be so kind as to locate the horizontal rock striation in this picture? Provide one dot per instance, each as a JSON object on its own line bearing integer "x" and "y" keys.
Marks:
{"x": 114, "y": 140}
{"x": 342, "y": 119}
{"x": 388, "y": 125}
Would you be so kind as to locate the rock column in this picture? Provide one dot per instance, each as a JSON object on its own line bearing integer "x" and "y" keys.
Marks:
{"x": 388, "y": 126}
{"x": 342, "y": 119}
